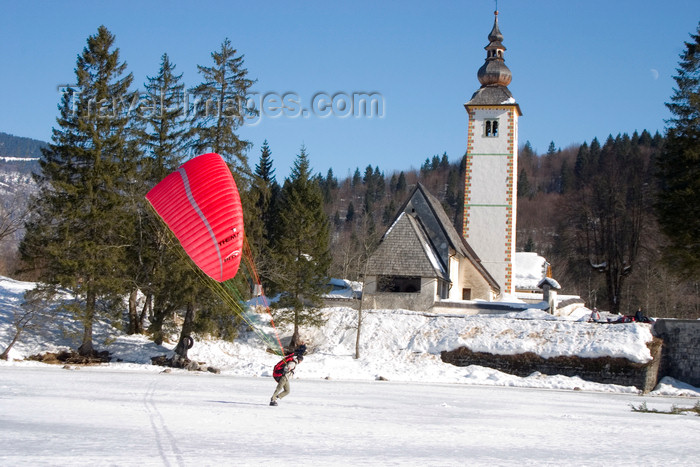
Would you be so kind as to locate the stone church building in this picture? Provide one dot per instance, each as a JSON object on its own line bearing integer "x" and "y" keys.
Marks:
{"x": 422, "y": 262}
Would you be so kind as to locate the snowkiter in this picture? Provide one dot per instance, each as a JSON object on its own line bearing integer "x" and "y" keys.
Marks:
{"x": 283, "y": 371}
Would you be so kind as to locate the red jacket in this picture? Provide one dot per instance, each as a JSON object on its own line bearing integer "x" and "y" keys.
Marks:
{"x": 280, "y": 368}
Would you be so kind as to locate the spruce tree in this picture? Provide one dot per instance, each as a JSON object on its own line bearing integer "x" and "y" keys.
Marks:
{"x": 220, "y": 108}
{"x": 678, "y": 204}
{"x": 528, "y": 154}
{"x": 401, "y": 183}
{"x": 444, "y": 161}
{"x": 79, "y": 231}
{"x": 567, "y": 177}
{"x": 164, "y": 275}
{"x": 350, "y": 215}
{"x": 356, "y": 178}
{"x": 166, "y": 134}
{"x": 302, "y": 249}
{"x": 523, "y": 184}
{"x": 582, "y": 166}
{"x": 379, "y": 184}
{"x": 261, "y": 227}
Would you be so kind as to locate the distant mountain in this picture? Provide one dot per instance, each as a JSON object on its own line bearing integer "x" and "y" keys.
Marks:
{"x": 12, "y": 146}
{"x": 19, "y": 157}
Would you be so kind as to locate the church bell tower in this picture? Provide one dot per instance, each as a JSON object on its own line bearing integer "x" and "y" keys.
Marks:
{"x": 490, "y": 190}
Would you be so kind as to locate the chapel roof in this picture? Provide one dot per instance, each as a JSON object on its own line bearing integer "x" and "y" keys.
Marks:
{"x": 431, "y": 225}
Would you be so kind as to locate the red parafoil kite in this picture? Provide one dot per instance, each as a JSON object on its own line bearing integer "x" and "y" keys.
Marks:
{"x": 200, "y": 203}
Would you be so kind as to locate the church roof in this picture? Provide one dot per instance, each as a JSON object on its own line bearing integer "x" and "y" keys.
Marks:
{"x": 431, "y": 224}
{"x": 406, "y": 250}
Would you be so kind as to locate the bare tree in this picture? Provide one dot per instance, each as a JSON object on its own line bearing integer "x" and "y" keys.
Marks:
{"x": 32, "y": 314}
{"x": 369, "y": 242}
{"x": 13, "y": 213}
{"x": 609, "y": 212}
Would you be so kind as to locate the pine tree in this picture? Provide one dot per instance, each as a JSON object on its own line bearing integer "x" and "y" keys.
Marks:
{"x": 645, "y": 139}
{"x": 582, "y": 166}
{"x": 401, "y": 183}
{"x": 444, "y": 161}
{"x": 328, "y": 185}
{"x": 302, "y": 249}
{"x": 80, "y": 227}
{"x": 220, "y": 108}
{"x": 425, "y": 168}
{"x": 166, "y": 134}
{"x": 379, "y": 184}
{"x": 594, "y": 153}
{"x": 370, "y": 190}
{"x": 523, "y": 184}
{"x": 350, "y": 216}
{"x": 269, "y": 190}
{"x": 567, "y": 177}
{"x": 434, "y": 163}
{"x": 164, "y": 275}
{"x": 678, "y": 205}
{"x": 261, "y": 226}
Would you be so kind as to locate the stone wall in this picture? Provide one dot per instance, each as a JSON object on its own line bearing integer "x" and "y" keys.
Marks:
{"x": 681, "y": 349}
{"x": 353, "y": 303}
{"x": 606, "y": 370}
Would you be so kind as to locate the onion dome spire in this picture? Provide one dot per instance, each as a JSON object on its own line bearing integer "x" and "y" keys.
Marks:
{"x": 494, "y": 71}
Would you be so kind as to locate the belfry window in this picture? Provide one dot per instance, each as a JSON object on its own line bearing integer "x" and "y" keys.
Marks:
{"x": 491, "y": 128}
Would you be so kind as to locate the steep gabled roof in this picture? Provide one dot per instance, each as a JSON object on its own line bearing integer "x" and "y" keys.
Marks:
{"x": 427, "y": 211}
{"x": 406, "y": 250}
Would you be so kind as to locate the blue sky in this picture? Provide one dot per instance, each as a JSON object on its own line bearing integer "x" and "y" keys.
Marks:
{"x": 581, "y": 69}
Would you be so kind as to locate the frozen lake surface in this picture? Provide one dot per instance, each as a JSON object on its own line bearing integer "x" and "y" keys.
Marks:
{"x": 121, "y": 416}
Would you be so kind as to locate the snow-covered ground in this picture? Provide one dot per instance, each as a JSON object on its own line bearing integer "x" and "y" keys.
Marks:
{"x": 427, "y": 413}
{"x": 114, "y": 415}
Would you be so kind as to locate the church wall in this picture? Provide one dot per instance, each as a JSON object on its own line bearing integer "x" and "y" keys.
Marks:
{"x": 472, "y": 279}
{"x": 422, "y": 301}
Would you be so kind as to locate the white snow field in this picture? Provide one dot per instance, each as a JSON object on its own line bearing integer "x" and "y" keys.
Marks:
{"x": 107, "y": 416}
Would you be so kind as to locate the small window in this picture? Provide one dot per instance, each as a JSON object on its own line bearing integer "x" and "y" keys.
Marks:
{"x": 491, "y": 128}
{"x": 398, "y": 284}
{"x": 466, "y": 294}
